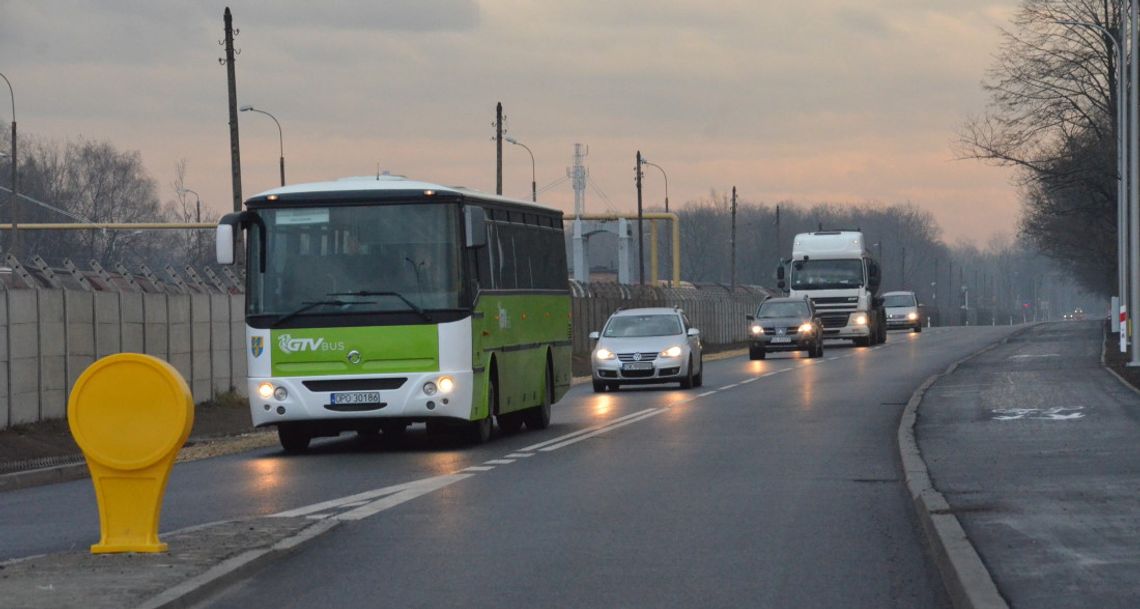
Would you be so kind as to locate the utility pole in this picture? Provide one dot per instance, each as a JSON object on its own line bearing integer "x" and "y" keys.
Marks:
{"x": 499, "y": 148}
{"x": 231, "y": 78}
{"x": 13, "y": 197}
{"x": 732, "y": 242}
{"x": 640, "y": 230}
{"x": 1133, "y": 179}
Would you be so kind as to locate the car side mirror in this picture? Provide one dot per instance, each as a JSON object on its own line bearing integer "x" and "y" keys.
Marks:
{"x": 595, "y": 335}
{"x": 750, "y": 317}
{"x": 694, "y": 332}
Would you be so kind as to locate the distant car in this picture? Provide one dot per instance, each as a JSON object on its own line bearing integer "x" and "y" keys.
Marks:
{"x": 644, "y": 346}
{"x": 902, "y": 311}
{"x": 785, "y": 324}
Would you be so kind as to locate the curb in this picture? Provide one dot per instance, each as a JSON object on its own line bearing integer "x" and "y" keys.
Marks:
{"x": 965, "y": 576}
{"x": 192, "y": 591}
{"x": 1103, "y": 364}
{"x": 39, "y": 477}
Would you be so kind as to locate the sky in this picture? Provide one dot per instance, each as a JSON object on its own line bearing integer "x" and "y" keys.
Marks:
{"x": 838, "y": 101}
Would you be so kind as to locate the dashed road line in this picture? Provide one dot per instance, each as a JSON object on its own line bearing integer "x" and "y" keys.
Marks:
{"x": 499, "y": 462}
{"x": 519, "y": 455}
{"x": 478, "y": 468}
{"x": 706, "y": 394}
{"x": 726, "y": 387}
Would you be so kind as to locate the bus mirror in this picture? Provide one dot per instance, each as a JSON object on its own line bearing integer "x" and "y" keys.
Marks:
{"x": 475, "y": 223}
{"x": 780, "y": 284}
{"x": 780, "y": 272}
{"x": 225, "y": 244}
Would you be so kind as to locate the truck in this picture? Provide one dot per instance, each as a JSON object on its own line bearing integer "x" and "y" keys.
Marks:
{"x": 834, "y": 269}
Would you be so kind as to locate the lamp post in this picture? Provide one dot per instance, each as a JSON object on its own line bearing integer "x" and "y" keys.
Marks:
{"x": 1124, "y": 180}
{"x": 13, "y": 198}
{"x": 280, "y": 137}
{"x": 663, "y": 174}
{"x": 533, "y": 184}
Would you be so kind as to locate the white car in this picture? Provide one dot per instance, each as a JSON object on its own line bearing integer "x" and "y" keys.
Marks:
{"x": 902, "y": 311}
{"x": 644, "y": 346}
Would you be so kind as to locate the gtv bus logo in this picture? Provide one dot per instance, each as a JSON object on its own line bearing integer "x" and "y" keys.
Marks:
{"x": 287, "y": 344}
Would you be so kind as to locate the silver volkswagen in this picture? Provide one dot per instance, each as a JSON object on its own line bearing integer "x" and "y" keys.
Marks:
{"x": 642, "y": 346}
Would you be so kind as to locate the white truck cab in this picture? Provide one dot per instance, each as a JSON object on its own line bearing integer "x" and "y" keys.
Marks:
{"x": 834, "y": 270}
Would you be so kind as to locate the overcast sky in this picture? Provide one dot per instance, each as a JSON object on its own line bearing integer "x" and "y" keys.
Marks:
{"x": 810, "y": 101}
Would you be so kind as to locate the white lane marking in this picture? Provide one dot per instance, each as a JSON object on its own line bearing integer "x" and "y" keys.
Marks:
{"x": 478, "y": 468}
{"x": 534, "y": 447}
{"x": 368, "y": 496}
{"x": 418, "y": 488}
{"x": 833, "y": 358}
{"x": 1031, "y": 355}
{"x": 706, "y": 394}
{"x": 726, "y": 387}
{"x": 499, "y": 462}
{"x": 652, "y": 413}
{"x": 746, "y": 381}
{"x": 519, "y": 455}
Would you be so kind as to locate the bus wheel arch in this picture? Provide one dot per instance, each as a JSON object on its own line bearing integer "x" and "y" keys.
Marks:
{"x": 538, "y": 417}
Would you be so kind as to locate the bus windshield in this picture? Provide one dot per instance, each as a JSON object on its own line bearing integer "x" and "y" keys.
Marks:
{"x": 827, "y": 274}
{"x": 356, "y": 259}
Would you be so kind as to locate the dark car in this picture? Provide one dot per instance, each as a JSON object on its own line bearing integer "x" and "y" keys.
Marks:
{"x": 785, "y": 324}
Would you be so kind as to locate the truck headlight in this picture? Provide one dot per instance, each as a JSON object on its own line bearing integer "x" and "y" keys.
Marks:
{"x": 673, "y": 351}
{"x": 860, "y": 319}
{"x": 603, "y": 354}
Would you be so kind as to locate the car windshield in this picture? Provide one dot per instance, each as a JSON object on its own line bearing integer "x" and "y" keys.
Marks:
{"x": 900, "y": 300}
{"x": 783, "y": 309}
{"x": 629, "y": 326}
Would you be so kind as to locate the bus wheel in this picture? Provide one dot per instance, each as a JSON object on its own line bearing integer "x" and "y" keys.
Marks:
{"x": 294, "y": 437}
{"x": 539, "y": 416}
{"x": 511, "y": 422}
{"x": 478, "y": 432}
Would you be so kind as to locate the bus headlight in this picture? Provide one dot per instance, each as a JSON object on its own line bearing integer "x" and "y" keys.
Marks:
{"x": 265, "y": 390}
{"x": 281, "y": 393}
{"x": 757, "y": 330}
{"x": 430, "y": 388}
{"x": 446, "y": 384}
{"x": 673, "y": 351}
{"x": 604, "y": 354}
{"x": 860, "y": 319}
{"x": 806, "y": 328}
{"x": 912, "y": 316}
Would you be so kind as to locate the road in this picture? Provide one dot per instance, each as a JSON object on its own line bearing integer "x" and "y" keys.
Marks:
{"x": 777, "y": 484}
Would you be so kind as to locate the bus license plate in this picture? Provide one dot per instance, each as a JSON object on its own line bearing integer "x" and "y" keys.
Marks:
{"x": 637, "y": 366}
{"x": 355, "y": 397}
{"x": 781, "y": 339}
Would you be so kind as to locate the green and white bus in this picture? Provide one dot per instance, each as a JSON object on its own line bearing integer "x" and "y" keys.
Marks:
{"x": 374, "y": 303}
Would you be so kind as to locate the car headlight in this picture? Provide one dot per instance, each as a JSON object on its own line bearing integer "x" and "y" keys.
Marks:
{"x": 860, "y": 319}
{"x": 806, "y": 328}
{"x": 265, "y": 390}
{"x": 757, "y": 330}
{"x": 603, "y": 354}
{"x": 912, "y": 316}
{"x": 673, "y": 351}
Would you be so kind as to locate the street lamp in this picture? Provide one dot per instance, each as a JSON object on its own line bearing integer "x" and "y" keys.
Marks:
{"x": 1124, "y": 184}
{"x": 280, "y": 137}
{"x": 666, "y": 176}
{"x": 533, "y": 184}
{"x": 13, "y": 199}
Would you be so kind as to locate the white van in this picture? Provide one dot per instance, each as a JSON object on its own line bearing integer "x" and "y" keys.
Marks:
{"x": 902, "y": 311}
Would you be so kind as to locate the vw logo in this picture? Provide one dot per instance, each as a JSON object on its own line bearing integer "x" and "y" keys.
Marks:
{"x": 637, "y": 357}
{"x": 353, "y": 357}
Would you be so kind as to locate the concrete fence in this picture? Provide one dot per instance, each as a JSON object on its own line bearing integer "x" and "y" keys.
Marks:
{"x": 50, "y": 335}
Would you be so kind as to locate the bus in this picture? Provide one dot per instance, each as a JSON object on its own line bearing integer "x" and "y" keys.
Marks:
{"x": 374, "y": 303}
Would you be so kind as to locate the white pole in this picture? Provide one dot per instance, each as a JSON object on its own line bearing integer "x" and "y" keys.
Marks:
{"x": 1133, "y": 177}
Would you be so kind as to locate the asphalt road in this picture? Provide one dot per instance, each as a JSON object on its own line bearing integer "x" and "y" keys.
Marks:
{"x": 777, "y": 484}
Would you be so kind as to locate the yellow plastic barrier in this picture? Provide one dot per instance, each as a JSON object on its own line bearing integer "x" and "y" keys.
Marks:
{"x": 130, "y": 414}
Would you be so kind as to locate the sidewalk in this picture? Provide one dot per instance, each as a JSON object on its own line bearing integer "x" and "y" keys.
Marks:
{"x": 1036, "y": 449}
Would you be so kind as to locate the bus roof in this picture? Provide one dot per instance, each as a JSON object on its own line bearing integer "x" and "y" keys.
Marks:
{"x": 379, "y": 186}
